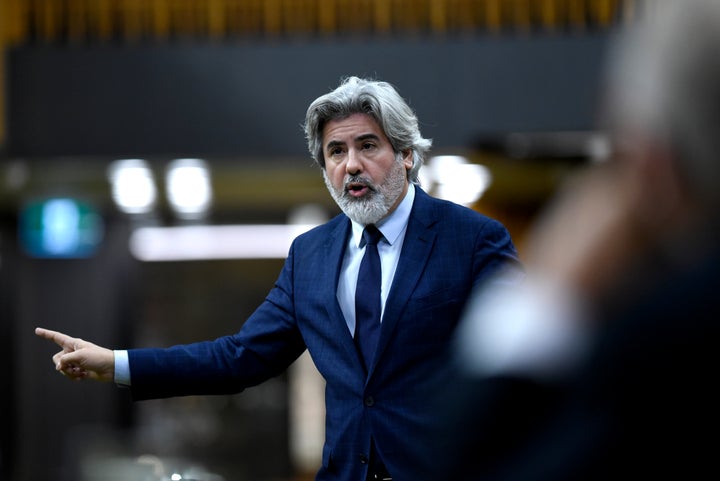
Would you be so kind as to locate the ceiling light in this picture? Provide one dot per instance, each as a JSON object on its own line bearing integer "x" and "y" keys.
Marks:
{"x": 205, "y": 242}
{"x": 189, "y": 190}
{"x": 133, "y": 186}
{"x": 457, "y": 180}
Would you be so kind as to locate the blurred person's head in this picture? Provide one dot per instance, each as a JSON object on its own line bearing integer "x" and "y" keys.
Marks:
{"x": 657, "y": 199}
{"x": 366, "y": 139}
{"x": 665, "y": 101}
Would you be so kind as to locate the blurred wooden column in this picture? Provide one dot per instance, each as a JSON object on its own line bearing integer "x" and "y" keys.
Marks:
{"x": 549, "y": 14}
{"x": 438, "y": 16}
{"x": 272, "y": 24}
{"x": 604, "y": 12}
{"x": 522, "y": 16}
{"x": 216, "y": 15}
{"x": 493, "y": 15}
{"x": 100, "y": 20}
{"x": 327, "y": 17}
{"x": 12, "y": 30}
{"x": 382, "y": 16}
{"x": 4, "y": 34}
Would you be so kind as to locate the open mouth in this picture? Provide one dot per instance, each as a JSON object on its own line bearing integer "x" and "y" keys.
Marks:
{"x": 357, "y": 189}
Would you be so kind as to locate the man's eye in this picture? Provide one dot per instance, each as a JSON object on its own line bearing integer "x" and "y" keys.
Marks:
{"x": 368, "y": 145}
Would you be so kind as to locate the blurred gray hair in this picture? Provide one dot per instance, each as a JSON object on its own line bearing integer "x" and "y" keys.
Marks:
{"x": 380, "y": 101}
{"x": 665, "y": 79}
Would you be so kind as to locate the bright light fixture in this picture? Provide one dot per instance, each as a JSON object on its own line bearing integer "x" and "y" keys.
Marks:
{"x": 189, "y": 190}
{"x": 458, "y": 180}
{"x": 133, "y": 186}
{"x": 204, "y": 242}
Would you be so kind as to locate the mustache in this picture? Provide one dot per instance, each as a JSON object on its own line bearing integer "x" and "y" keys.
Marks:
{"x": 357, "y": 180}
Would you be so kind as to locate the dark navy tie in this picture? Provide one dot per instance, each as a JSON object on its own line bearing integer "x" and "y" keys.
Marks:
{"x": 367, "y": 297}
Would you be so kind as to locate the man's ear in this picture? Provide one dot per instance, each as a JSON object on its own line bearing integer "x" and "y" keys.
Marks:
{"x": 408, "y": 158}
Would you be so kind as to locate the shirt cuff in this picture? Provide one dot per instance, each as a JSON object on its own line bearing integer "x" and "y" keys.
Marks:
{"x": 122, "y": 368}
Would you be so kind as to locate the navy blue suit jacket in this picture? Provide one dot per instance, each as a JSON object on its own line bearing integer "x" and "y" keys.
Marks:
{"x": 448, "y": 249}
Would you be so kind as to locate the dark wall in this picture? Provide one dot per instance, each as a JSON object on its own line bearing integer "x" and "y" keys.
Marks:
{"x": 250, "y": 97}
{"x": 8, "y": 351}
{"x": 54, "y": 429}
{"x": 90, "y": 297}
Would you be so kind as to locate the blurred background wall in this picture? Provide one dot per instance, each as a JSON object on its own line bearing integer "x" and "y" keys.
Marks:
{"x": 112, "y": 109}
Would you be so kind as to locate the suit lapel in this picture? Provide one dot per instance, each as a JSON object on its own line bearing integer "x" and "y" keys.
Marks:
{"x": 419, "y": 240}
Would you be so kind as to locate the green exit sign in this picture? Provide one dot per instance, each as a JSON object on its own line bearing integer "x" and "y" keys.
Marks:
{"x": 60, "y": 227}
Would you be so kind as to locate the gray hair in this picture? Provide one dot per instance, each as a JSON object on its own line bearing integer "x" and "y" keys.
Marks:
{"x": 380, "y": 101}
{"x": 666, "y": 80}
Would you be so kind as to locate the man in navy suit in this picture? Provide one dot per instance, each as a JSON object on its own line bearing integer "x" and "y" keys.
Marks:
{"x": 432, "y": 255}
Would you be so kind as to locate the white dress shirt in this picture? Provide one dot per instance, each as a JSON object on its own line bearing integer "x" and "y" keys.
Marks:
{"x": 393, "y": 229}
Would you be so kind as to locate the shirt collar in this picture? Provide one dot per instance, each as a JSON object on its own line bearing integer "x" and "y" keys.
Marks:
{"x": 394, "y": 224}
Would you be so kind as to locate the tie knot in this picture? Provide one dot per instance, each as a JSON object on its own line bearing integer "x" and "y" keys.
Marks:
{"x": 371, "y": 235}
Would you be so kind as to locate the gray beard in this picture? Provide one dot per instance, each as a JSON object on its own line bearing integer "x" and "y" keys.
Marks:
{"x": 373, "y": 206}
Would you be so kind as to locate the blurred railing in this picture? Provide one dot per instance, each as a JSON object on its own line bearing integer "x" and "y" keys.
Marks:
{"x": 132, "y": 20}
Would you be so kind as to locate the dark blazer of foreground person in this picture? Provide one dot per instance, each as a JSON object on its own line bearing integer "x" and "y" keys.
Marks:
{"x": 642, "y": 405}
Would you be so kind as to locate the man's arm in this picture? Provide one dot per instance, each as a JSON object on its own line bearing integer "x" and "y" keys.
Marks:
{"x": 80, "y": 359}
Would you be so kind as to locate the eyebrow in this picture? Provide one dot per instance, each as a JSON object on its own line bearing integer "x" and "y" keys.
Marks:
{"x": 359, "y": 138}
{"x": 334, "y": 143}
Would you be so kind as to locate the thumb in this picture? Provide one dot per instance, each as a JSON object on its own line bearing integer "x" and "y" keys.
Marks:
{"x": 71, "y": 359}
{"x": 70, "y": 365}
{"x": 88, "y": 362}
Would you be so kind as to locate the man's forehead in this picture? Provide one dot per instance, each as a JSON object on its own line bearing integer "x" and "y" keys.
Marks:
{"x": 354, "y": 127}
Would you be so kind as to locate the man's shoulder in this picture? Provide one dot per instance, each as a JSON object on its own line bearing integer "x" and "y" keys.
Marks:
{"x": 430, "y": 207}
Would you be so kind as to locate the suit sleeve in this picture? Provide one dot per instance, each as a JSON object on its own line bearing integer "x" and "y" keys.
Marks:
{"x": 495, "y": 253}
{"x": 268, "y": 342}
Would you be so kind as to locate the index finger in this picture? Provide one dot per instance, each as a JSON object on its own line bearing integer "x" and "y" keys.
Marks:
{"x": 62, "y": 340}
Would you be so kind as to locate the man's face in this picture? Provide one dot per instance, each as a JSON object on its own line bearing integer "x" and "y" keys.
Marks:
{"x": 362, "y": 172}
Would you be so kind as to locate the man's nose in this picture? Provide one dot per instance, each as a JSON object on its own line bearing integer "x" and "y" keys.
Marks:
{"x": 354, "y": 162}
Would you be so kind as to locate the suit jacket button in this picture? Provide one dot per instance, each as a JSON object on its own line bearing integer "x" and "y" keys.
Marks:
{"x": 369, "y": 401}
{"x": 363, "y": 459}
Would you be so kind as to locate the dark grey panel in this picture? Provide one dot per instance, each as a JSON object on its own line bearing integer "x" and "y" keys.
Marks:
{"x": 249, "y": 98}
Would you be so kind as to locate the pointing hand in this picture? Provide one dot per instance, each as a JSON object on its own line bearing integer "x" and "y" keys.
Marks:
{"x": 80, "y": 359}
